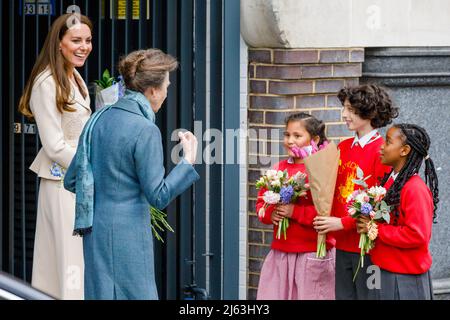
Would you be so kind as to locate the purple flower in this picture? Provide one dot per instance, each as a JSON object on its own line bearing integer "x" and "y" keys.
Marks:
{"x": 286, "y": 194}
{"x": 366, "y": 208}
{"x": 121, "y": 84}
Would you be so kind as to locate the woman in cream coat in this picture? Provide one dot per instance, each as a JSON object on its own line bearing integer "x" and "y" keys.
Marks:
{"x": 57, "y": 98}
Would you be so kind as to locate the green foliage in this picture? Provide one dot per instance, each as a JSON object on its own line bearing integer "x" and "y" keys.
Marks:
{"x": 158, "y": 217}
{"x": 105, "y": 81}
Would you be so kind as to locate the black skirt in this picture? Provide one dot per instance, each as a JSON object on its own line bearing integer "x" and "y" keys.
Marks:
{"x": 396, "y": 286}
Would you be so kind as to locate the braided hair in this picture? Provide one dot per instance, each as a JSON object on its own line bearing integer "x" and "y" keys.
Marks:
{"x": 419, "y": 141}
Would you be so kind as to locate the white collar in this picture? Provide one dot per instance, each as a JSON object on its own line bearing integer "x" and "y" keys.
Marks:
{"x": 366, "y": 139}
{"x": 393, "y": 175}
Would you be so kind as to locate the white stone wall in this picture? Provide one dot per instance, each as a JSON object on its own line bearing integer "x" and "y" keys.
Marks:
{"x": 243, "y": 174}
{"x": 345, "y": 23}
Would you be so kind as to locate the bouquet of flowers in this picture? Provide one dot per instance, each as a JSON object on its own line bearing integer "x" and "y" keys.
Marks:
{"x": 321, "y": 164}
{"x": 108, "y": 90}
{"x": 281, "y": 189}
{"x": 369, "y": 203}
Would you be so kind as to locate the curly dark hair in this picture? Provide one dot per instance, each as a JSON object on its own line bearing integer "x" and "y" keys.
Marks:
{"x": 370, "y": 102}
{"x": 419, "y": 141}
{"x": 314, "y": 126}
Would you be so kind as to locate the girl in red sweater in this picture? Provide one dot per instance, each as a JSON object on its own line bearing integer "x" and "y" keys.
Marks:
{"x": 366, "y": 108}
{"x": 291, "y": 270}
{"x": 401, "y": 248}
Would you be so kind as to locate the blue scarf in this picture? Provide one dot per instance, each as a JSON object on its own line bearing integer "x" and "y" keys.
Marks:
{"x": 84, "y": 185}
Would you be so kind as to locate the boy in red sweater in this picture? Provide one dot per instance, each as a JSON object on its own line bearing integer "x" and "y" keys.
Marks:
{"x": 401, "y": 249}
{"x": 366, "y": 108}
{"x": 291, "y": 270}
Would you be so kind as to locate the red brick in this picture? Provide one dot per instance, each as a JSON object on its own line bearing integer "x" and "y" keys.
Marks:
{"x": 333, "y": 101}
{"x": 338, "y": 130}
{"x": 254, "y": 147}
{"x": 298, "y": 87}
{"x": 253, "y": 175}
{"x": 278, "y": 72}
{"x": 331, "y": 56}
{"x": 258, "y": 86}
{"x": 255, "y": 236}
{"x": 255, "y": 116}
{"x": 266, "y": 132}
{"x": 265, "y": 102}
{"x": 276, "y": 148}
{"x": 327, "y": 115}
{"x": 254, "y": 223}
{"x": 347, "y": 70}
{"x": 324, "y": 86}
{"x": 251, "y": 71}
{"x": 252, "y": 192}
{"x": 353, "y": 82}
{"x": 310, "y": 102}
{"x": 251, "y": 294}
{"x": 255, "y": 265}
{"x": 263, "y": 161}
{"x": 256, "y": 251}
{"x": 253, "y": 280}
{"x": 260, "y": 56}
{"x": 357, "y": 56}
{"x": 295, "y": 56}
{"x": 315, "y": 72}
{"x": 268, "y": 237}
{"x": 276, "y": 117}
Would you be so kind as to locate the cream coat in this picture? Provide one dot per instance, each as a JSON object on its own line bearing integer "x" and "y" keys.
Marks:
{"x": 58, "y": 266}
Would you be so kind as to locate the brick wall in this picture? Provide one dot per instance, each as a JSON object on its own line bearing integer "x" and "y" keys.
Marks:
{"x": 281, "y": 82}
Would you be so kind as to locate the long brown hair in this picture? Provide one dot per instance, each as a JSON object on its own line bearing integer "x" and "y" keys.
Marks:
{"x": 50, "y": 56}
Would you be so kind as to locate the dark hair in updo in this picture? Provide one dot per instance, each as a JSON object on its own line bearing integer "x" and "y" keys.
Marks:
{"x": 142, "y": 69}
{"x": 370, "y": 102}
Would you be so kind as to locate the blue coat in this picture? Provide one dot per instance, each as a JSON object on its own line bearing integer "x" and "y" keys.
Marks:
{"x": 127, "y": 165}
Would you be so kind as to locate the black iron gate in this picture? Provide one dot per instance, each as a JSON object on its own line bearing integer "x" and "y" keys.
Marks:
{"x": 178, "y": 27}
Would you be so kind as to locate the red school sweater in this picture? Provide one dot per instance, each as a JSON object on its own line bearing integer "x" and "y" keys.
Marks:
{"x": 300, "y": 235}
{"x": 402, "y": 245}
{"x": 368, "y": 159}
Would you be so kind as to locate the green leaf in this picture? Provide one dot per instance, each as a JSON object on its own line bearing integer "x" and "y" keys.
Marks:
{"x": 359, "y": 173}
{"x": 360, "y": 183}
{"x": 106, "y": 74}
{"x": 378, "y": 215}
{"x": 158, "y": 220}
{"x": 387, "y": 217}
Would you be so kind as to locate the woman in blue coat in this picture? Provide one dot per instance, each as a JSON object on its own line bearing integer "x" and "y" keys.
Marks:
{"x": 120, "y": 152}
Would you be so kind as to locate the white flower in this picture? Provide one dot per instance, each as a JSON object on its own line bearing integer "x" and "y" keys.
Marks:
{"x": 280, "y": 174}
{"x": 377, "y": 191}
{"x": 262, "y": 212}
{"x": 350, "y": 198}
{"x": 271, "y": 174}
{"x": 360, "y": 197}
{"x": 271, "y": 197}
{"x": 275, "y": 183}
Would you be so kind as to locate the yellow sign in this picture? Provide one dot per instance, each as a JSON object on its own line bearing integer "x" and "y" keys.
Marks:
{"x": 122, "y": 9}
